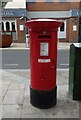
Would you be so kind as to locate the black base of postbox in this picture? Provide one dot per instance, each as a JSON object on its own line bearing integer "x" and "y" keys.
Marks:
{"x": 43, "y": 99}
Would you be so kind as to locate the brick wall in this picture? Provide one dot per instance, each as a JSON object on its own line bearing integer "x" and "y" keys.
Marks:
{"x": 80, "y": 5}
{"x": 67, "y": 30}
{"x": 21, "y": 34}
{"x": 55, "y": 6}
{"x": 71, "y": 36}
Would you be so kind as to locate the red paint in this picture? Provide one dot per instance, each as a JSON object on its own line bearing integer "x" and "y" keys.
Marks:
{"x": 43, "y": 75}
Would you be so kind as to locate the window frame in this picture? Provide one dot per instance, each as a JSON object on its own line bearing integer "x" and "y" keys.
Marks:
{"x": 62, "y": 28}
{"x": 14, "y": 26}
{"x": 7, "y": 26}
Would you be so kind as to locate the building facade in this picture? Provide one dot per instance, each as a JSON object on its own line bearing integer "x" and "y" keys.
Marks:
{"x": 68, "y": 12}
{"x": 13, "y": 21}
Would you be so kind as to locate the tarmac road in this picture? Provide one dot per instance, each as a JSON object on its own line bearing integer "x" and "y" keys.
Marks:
{"x": 19, "y": 59}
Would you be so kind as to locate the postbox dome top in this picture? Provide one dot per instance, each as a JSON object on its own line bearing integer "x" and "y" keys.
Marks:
{"x": 43, "y": 24}
{"x": 47, "y": 20}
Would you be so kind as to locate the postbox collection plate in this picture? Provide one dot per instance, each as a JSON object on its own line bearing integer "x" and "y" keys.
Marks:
{"x": 44, "y": 49}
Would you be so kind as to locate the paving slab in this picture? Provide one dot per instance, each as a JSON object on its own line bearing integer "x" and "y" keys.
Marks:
{"x": 33, "y": 115}
{"x": 27, "y": 90}
{"x": 16, "y": 85}
{"x": 5, "y": 74}
{"x": 16, "y": 102}
{"x": 62, "y": 77}
{"x": 28, "y": 111}
{"x": 5, "y": 86}
{"x": 22, "y": 73}
{"x": 11, "y": 111}
{"x": 80, "y": 110}
{"x": 1, "y": 98}
{"x": 11, "y": 97}
{"x": 0, "y": 88}
{"x": 62, "y": 92}
{"x": 65, "y": 107}
{"x": 0, "y": 112}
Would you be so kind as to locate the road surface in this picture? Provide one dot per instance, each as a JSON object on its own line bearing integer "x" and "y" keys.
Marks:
{"x": 19, "y": 59}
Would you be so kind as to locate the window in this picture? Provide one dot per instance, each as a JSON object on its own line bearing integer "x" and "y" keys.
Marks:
{"x": 21, "y": 27}
{"x": 62, "y": 27}
{"x": 7, "y": 26}
{"x": 62, "y": 30}
{"x": 13, "y": 26}
{"x": 2, "y": 26}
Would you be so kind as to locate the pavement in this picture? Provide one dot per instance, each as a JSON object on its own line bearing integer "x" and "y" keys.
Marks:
{"x": 60, "y": 45}
{"x": 15, "y": 95}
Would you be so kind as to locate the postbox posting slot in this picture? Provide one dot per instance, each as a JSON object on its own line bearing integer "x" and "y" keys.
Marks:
{"x": 44, "y": 36}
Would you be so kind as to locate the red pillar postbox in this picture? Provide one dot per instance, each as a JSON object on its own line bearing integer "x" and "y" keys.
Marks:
{"x": 43, "y": 60}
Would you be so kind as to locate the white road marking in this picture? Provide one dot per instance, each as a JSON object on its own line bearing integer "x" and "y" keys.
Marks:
{"x": 63, "y": 69}
{"x": 64, "y": 64}
{"x": 10, "y": 64}
{"x": 14, "y": 48}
